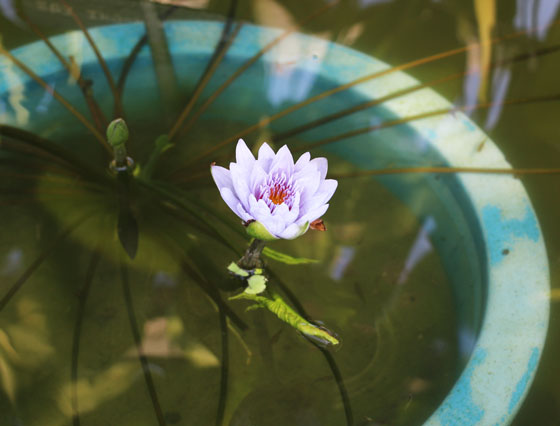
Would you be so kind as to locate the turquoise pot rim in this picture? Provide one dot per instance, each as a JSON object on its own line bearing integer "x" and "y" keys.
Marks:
{"x": 502, "y": 365}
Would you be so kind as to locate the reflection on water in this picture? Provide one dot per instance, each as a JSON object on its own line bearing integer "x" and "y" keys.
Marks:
{"x": 275, "y": 376}
{"x": 419, "y": 250}
{"x": 379, "y": 283}
{"x": 341, "y": 261}
{"x": 536, "y": 15}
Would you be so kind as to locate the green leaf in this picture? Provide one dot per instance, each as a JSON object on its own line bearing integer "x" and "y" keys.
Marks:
{"x": 286, "y": 258}
{"x": 275, "y": 304}
{"x": 237, "y": 270}
{"x": 257, "y": 284}
{"x": 161, "y": 145}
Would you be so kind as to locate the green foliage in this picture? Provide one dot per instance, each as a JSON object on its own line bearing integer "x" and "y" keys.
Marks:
{"x": 237, "y": 270}
{"x": 161, "y": 145}
{"x": 257, "y": 284}
{"x": 275, "y": 304}
{"x": 286, "y": 258}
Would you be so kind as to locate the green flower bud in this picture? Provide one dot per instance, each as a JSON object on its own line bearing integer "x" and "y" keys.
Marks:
{"x": 117, "y": 133}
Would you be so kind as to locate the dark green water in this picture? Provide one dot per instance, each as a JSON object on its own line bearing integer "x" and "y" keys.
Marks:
{"x": 399, "y": 346}
{"x": 398, "y": 355}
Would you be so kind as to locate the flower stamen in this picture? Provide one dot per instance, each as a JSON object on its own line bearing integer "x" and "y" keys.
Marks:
{"x": 278, "y": 194}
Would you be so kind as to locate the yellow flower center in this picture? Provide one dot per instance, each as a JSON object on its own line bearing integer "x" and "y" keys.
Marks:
{"x": 278, "y": 194}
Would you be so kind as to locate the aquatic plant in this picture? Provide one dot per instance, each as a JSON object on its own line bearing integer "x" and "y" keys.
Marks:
{"x": 275, "y": 193}
{"x": 138, "y": 193}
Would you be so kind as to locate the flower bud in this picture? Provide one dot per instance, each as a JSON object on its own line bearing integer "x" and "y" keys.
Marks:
{"x": 117, "y": 133}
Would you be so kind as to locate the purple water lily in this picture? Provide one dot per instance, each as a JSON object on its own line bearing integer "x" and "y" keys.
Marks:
{"x": 273, "y": 196}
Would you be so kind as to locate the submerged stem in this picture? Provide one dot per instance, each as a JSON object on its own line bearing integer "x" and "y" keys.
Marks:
{"x": 224, "y": 373}
{"x": 225, "y": 42}
{"x": 366, "y": 105}
{"x": 215, "y": 62}
{"x": 55, "y": 151}
{"x": 248, "y": 64}
{"x": 84, "y": 85}
{"x": 56, "y": 95}
{"x": 326, "y": 354}
{"x": 131, "y": 58}
{"x": 166, "y": 193}
{"x": 138, "y": 342}
{"x": 403, "y": 67}
{"x": 84, "y": 293}
{"x": 36, "y": 263}
{"x": 116, "y": 95}
{"x": 428, "y": 114}
{"x": 214, "y": 294}
{"x": 485, "y": 170}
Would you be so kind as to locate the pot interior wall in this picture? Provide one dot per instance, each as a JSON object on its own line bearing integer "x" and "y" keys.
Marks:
{"x": 439, "y": 199}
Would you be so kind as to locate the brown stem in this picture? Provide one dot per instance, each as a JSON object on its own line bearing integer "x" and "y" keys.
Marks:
{"x": 84, "y": 292}
{"x": 254, "y": 59}
{"x": 252, "y": 257}
{"x": 57, "y": 96}
{"x": 396, "y": 122}
{"x": 333, "y": 117}
{"x": 30, "y": 270}
{"x": 214, "y": 294}
{"x": 402, "y": 170}
{"x": 403, "y": 67}
{"x": 205, "y": 79}
{"x": 329, "y": 357}
{"x": 404, "y": 120}
{"x": 138, "y": 343}
{"x": 84, "y": 86}
{"x": 24, "y": 141}
{"x": 118, "y": 105}
{"x": 131, "y": 58}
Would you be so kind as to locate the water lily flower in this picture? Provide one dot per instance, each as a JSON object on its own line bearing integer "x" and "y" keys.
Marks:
{"x": 275, "y": 197}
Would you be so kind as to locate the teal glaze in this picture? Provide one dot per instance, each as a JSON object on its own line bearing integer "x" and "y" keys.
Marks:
{"x": 469, "y": 125}
{"x": 459, "y": 408}
{"x": 501, "y": 233}
{"x": 502, "y": 300}
{"x": 523, "y": 383}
